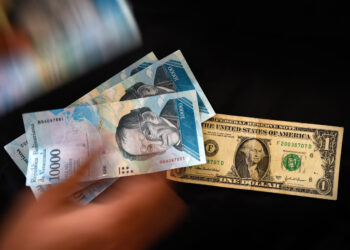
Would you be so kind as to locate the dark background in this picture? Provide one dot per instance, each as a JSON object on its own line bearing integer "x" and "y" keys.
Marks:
{"x": 282, "y": 61}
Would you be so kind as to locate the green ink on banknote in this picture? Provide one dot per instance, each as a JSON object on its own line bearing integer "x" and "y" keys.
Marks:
{"x": 291, "y": 162}
{"x": 215, "y": 162}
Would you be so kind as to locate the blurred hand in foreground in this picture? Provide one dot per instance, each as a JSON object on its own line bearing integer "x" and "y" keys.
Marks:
{"x": 133, "y": 213}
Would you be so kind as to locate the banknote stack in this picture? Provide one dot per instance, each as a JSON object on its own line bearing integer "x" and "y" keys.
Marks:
{"x": 147, "y": 118}
{"x": 153, "y": 116}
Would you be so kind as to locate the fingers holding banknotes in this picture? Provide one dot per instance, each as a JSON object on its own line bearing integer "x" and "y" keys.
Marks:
{"x": 132, "y": 214}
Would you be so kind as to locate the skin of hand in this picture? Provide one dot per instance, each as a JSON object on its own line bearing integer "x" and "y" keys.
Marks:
{"x": 133, "y": 213}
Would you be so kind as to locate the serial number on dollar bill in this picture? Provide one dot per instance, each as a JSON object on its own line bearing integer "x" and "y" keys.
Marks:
{"x": 294, "y": 144}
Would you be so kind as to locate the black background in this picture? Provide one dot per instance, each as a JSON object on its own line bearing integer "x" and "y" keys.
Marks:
{"x": 280, "y": 60}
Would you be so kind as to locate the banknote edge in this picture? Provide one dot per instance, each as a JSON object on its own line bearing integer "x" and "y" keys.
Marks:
{"x": 290, "y": 193}
{"x": 150, "y": 54}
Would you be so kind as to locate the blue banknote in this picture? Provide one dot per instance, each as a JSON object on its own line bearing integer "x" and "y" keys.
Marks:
{"x": 18, "y": 148}
{"x": 138, "y": 66}
{"x": 168, "y": 75}
{"x": 138, "y": 136}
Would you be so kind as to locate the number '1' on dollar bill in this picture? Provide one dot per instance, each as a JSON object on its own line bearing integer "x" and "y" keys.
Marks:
{"x": 265, "y": 155}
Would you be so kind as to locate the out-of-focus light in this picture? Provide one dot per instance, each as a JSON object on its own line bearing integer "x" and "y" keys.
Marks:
{"x": 45, "y": 43}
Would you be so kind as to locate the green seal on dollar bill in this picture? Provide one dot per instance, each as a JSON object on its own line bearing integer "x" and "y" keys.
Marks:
{"x": 291, "y": 162}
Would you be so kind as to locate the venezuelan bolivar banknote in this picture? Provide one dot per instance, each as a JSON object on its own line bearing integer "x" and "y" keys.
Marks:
{"x": 18, "y": 148}
{"x": 134, "y": 68}
{"x": 265, "y": 155}
{"x": 88, "y": 190}
{"x": 138, "y": 136}
{"x": 168, "y": 75}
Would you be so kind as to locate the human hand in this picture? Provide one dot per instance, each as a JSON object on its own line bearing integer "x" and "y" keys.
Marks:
{"x": 132, "y": 214}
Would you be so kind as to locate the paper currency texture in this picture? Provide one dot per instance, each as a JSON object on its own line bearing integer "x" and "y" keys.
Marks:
{"x": 168, "y": 75}
{"x": 18, "y": 148}
{"x": 265, "y": 155}
{"x": 137, "y": 66}
{"x": 138, "y": 136}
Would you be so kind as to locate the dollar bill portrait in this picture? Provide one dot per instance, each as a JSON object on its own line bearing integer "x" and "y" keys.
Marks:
{"x": 252, "y": 159}
{"x": 142, "y": 134}
{"x": 162, "y": 85}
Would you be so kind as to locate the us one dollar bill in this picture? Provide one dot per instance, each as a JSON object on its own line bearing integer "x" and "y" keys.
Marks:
{"x": 168, "y": 75}
{"x": 18, "y": 148}
{"x": 138, "y": 136}
{"x": 271, "y": 156}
